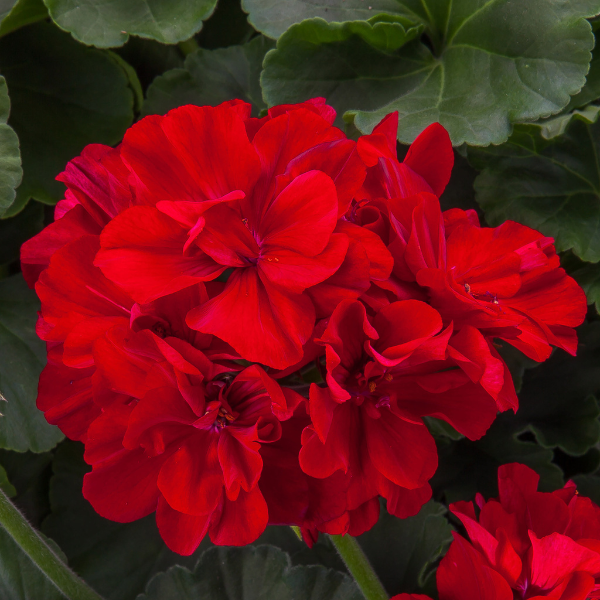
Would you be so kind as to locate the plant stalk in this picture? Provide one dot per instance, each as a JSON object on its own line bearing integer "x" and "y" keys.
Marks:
{"x": 41, "y": 554}
{"x": 359, "y": 566}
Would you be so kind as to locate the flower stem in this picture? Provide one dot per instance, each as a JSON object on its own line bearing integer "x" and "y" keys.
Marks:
{"x": 359, "y": 566}
{"x": 41, "y": 554}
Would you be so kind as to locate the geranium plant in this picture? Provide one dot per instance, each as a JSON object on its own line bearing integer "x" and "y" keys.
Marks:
{"x": 294, "y": 300}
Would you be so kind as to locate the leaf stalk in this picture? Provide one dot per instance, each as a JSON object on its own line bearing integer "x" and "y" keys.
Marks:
{"x": 41, "y": 554}
{"x": 359, "y": 566}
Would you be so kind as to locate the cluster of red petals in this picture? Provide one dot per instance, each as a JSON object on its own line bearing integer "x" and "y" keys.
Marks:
{"x": 193, "y": 271}
{"x": 524, "y": 545}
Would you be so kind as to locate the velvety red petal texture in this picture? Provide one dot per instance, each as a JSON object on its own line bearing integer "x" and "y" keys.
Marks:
{"x": 525, "y": 543}
{"x": 247, "y": 320}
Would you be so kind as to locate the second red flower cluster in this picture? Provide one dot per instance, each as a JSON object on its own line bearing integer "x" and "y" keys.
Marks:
{"x": 195, "y": 275}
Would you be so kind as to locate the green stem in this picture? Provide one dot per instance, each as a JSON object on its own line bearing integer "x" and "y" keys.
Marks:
{"x": 42, "y": 555}
{"x": 188, "y": 46}
{"x": 359, "y": 566}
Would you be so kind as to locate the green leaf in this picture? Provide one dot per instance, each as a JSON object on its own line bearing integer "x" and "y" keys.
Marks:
{"x": 589, "y": 486}
{"x": 227, "y": 26}
{"x": 555, "y": 126}
{"x": 5, "y": 485}
{"x": 64, "y": 96}
{"x": 591, "y": 90}
{"x": 149, "y": 58}
{"x": 20, "y": 578}
{"x": 250, "y": 573}
{"x": 588, "y": 277}
{"x": 116, "y": 559}
{"x": 17, "y": 13}
{"x": 467, "y": 467}
{"x": 22, "y": 357}
{"x": 493, "y": 63}
{"x": 15, "y": 231}
{"x": 109, "y": 24}
{"x": 550, "y": 185}
{"x": 211, "y": 77}
{"x": 273, "y": 17}
{"x": 10, "y": 158}
{"x": 404, "y": 551}
{"x": 557, "y": 401}
{"x": 29, "y": 473}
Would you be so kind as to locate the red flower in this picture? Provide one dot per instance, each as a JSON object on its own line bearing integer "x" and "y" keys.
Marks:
{"x": 197, "y": 464}
{"x": 280, "y": 191}
{"x": 506, "y": 282}
{"x": 525, "y": 544}
{"x": 383, "y": 375}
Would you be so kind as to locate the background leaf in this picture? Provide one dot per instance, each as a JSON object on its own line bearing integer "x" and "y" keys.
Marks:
{"x": 557, "y": 398}
{"x": 17, "y": 13}
{"x": 15, "y": 231}
{"x": 116, "y": 559}
{"x": 588, "y": 277}
{"x": 405, "y": 550}
{"x": 273, "y": 17}
{"x": 108, "y": 24}
{"x": 250, "y": 573}
{"x": 486, "y": 65}
{"x": 20, "y": 579}
{"x": 550, "y": 185}
{"x": 467, "y": 467}
{"x": 64, "y": 96}
{"x": 22, "y": 357}
{"x": 10, "y": 158}
{"x": 29, "y": 473}
{"x": 211, "y": 77}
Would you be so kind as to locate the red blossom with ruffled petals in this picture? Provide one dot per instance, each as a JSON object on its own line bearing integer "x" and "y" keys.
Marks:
{"x": 506, "y": 282}
{"x": 383, "y": 375}
{"x": 524, "y": 544}
{"x": 280, "y": 193}
{"x": 196, "y": 463}
{"x": 209, "y": 240}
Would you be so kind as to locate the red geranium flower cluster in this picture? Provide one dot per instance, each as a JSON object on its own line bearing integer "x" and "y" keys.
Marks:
{"x": 193, "y": 272}
{"x": 525, "y": 544}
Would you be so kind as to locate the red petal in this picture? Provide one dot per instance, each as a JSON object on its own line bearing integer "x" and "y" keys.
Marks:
{"x": 282, "y": 139}
{"x": 142, "y": 251}
{"x": 317, "y": 105}
{"x": 241, "y": 521}
{"x": 556, "y": 556}
{"x": 380, "y": 259}
{"x": 193, "y": 153}
{"x": 463, "y": 575}
{"x": 181, "y": 533}
{"x": 72, "y": 290}
{"x": 432, "y": 157}
{"x": 192, "y": 480}
{"x": 403, "y": 503}
{"x": 403, "y": 327}
{"x": 296, "y": 272}
{"x": 37, "y": 251}
{"x": 349, "y": 282}
{"x": 403, "y": 452}
{"x": 66, "y": 397}
{"x": 381, "y": 142}
{"x": 98, "y": 180}
{"x": 472, "y": 353}
{"x": 302, "y": 216}
{"x": 269, "y": 327}
{"x": 123, "y": 488}
{"x": 240, "y": 461}
{"x": 338, "y": 159}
